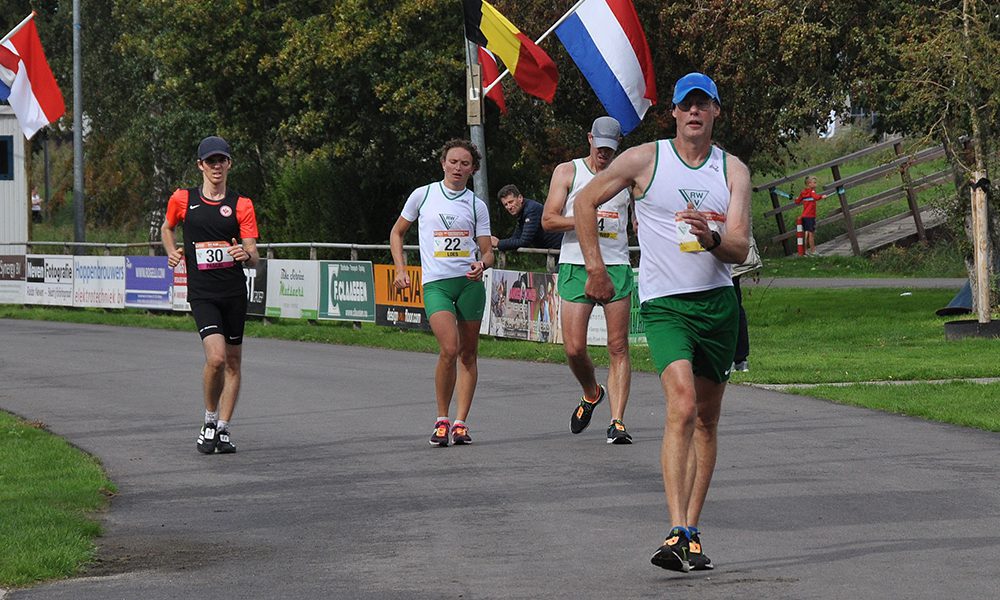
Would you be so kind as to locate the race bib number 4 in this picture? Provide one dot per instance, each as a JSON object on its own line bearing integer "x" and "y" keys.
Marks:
{"x": 688, "y": 242}
{"x": 607, "y": 224}
{"x": 453, "y": 243}
{"x": 213, "y": 255}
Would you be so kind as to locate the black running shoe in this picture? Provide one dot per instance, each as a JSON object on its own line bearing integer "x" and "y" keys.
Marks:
{"x": 673, "y": 554}
{"x": 225, "y": 445}
{"x": 440, "y": 435}
{"x": 207, "y": 439}
{"x": 582, "y": 413}
{"x": 460, "y": 435}
{"x": 699, "y": 561}
{"x": 617, "y": 433}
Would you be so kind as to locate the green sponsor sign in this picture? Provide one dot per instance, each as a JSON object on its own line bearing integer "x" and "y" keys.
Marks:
{"x": 346, "y": 291}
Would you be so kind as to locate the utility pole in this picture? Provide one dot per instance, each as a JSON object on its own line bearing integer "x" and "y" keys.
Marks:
{"x": 474, "y": 103}
{"x": 78, "y": 212}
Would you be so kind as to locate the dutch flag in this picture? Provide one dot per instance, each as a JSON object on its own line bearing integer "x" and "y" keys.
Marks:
{"x": 608, "y": 45}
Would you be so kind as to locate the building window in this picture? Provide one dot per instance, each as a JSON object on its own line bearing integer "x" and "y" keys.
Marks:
{"x": 6, "y": 157}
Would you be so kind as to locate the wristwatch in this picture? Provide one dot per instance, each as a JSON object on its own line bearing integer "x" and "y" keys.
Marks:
{"x": 716, "y": 239}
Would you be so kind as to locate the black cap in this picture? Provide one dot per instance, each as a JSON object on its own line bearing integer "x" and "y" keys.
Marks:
{"x": 211, "y": 145}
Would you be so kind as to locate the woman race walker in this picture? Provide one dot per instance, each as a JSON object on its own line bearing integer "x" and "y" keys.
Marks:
{"x": 454, "y": 225}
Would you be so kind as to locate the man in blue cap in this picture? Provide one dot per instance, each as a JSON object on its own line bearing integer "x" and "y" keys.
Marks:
{"x": 693, "y": 209}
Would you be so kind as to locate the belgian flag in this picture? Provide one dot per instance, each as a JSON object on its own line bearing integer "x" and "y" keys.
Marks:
{"x": 531, "y": 67}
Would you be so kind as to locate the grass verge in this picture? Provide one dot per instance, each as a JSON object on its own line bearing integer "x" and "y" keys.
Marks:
{"x": 48, "y": 490}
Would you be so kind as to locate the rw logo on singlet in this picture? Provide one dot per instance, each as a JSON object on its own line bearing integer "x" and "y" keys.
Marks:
{"x": 695, "y": 197}
{"x": 448, "y": 220}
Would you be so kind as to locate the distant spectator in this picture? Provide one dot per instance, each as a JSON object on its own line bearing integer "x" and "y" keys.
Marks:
{"x": 36, "y": 206}
{"x": 807, "y": 198}
{"x": 529, "y": 232}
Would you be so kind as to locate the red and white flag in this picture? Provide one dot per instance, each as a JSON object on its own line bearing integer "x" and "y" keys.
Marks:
{"x": 26, "y": 81}
{"x": 488, "y": 63}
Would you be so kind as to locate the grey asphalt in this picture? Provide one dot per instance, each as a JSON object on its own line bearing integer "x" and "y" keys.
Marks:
{"x": 335, "y": 492}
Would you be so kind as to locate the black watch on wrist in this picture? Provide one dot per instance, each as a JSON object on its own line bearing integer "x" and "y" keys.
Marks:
{"x": 716, "y": 241}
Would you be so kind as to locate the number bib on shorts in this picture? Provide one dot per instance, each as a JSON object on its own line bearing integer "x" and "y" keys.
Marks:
{"x": 454, "y": 243}
{"x": 213, "y": 255}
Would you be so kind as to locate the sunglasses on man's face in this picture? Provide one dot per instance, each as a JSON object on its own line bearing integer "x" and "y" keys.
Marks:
{"x": 702, "y": 104}
{"x": 215, "y": 160}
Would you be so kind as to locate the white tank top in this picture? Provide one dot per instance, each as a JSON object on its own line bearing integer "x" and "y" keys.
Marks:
{"x": 664, "y": 268}
{"x": 450, "y": 222}
{"x": 612, "y": 220}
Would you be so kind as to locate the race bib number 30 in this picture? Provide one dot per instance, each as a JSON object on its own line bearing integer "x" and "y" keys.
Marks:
{"x": 213, "y": 255}
{"x": 453, "y": 243}
{"x": 688, "y": 242}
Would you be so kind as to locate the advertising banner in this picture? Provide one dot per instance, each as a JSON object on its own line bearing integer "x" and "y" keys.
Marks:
{"x": 148, "y": 282}
{"x": 292, "y": 289}
{"x": 256, "y": 288}
{"x": 12, "y": 271}
{"x": 347, "y": 290}
{"x": 524, "y": 306}
{"x": 400, "y": 308}
{"x": 99, "y": 281}
{"x": 49, "y": 280}
{"x": 181, "y": 287}
{"x": 636, "y": 329}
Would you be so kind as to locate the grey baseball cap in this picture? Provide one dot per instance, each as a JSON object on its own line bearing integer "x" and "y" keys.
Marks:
{"x": 607, "y": 132}
{"x": 212, "y": 145}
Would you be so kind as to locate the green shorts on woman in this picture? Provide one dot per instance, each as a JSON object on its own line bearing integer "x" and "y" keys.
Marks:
{"x": 461, "y": 296}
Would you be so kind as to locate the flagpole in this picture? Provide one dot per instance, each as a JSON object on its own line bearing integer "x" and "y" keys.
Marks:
{"x": 477, "y": 134}
{"x": 538, "y": 41}
{"x": 18, "y": 28}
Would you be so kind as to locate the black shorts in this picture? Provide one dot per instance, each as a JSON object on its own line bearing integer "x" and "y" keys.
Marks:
{"x": 808, "y": 223}
{"x": 224, "y": 316}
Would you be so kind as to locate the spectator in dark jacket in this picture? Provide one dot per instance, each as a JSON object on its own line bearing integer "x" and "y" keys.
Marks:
{"x": 529, "y": 232}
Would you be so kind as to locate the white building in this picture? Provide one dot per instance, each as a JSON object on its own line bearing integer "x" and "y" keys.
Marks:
{"x": 13, "y": 185}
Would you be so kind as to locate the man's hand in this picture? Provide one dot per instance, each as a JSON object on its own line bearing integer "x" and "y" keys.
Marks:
{"x": 174, "y": 257}
{"x": 599, "y": 287}
{"x": 238, "y": 252}
{"x": 494, "y": 240}
{"x": 699, "y": 225}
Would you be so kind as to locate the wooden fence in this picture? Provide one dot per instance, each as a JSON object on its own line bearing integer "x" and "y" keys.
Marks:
{"x": 848, "y": 211}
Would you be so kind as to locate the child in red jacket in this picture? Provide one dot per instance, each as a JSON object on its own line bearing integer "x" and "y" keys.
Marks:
{"x": 807, "y": 198}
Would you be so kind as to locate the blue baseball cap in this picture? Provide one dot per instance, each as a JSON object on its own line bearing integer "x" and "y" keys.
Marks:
{"x": 695, "y": 81}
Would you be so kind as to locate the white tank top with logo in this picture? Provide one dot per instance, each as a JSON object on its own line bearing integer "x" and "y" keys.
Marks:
{"x": 672, "y": 261}
{"x": 612, "y": 220}
{"x": 450, "y": 222}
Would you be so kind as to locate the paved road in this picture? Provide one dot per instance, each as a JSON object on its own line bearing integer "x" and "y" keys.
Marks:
{"x": 335, "y": 492}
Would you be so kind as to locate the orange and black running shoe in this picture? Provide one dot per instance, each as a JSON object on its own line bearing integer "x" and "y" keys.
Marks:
{"x": 696, "y": 556}
{"x": 582, "y": 413}
{"x": 674, "y": 553}
{"x": 440, "y": 436}
{"x": 460, "y": 435}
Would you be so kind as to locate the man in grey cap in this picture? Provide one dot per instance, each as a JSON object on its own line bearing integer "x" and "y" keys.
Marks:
{"x": 692, "y": 201}
{"x": 611, "y": 220}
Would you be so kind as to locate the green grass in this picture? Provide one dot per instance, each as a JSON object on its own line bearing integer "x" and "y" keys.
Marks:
{"x": 48, "y": 492}
{"x": 961, "y": 403}
{"x": 939, "y": 260}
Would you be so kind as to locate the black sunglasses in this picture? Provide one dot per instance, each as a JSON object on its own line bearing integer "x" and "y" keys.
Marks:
{"x": 216, "y": 159}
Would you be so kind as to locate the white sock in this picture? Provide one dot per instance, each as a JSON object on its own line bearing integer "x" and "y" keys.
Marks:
{"x": 443, "y": 419}
{"x": 458, "y": 422}
{"x": 222, "y": 425}
{"x": 211, "y": 417}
